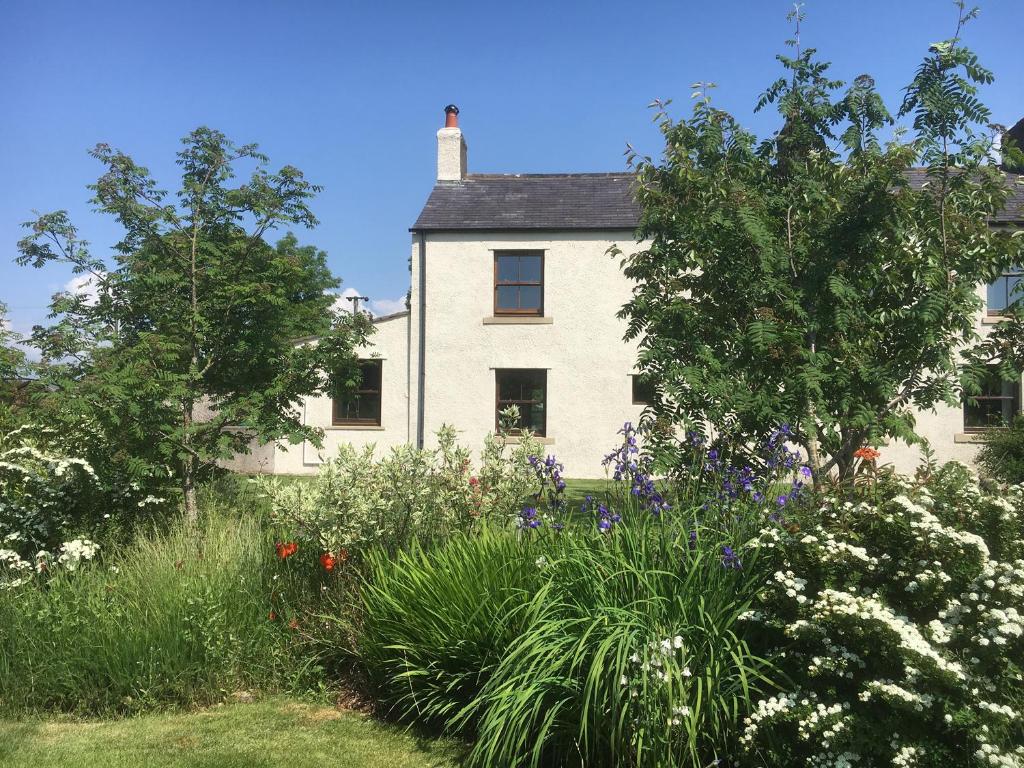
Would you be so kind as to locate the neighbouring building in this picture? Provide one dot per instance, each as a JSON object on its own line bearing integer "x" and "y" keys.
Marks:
{"x": 514, "y": 300}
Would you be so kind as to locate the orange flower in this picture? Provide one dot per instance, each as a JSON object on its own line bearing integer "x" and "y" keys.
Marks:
{"x": 286, "y": 549}
{"x": 867, "y": 454}
{"x": 272, "y": 616}
{"x": 327, "y": 561}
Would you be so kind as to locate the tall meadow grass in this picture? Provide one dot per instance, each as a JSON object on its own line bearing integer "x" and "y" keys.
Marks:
{"x": 177, "y": 617}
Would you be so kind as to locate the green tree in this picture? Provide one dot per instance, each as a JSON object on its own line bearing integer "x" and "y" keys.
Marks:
{"x": 803, "y": 279}
{"x": 184, "y": 346}
{"x": 13, "y": 367}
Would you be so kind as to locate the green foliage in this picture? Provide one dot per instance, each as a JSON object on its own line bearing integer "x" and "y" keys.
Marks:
{"x": 800, "y": 279}
{"x": 177, "y": 618}
{"x": 556, "y": 648}
{"x": 897, "y": 613}
{"x": 356, "y": 502}
{"x": 1002, "y": 453}
{"x": 12, "y": 358}
{"x": 186, "y": 351}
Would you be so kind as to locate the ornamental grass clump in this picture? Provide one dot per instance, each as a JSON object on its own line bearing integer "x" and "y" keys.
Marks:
{"x": 899, "y": 619}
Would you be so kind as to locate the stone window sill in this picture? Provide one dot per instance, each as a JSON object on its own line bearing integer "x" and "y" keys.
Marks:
{"x": 993, "y": 319}
{"x": 353, "y": 428}
{"x": 516, "y": 440}
{"x": 969, "y": 437}
{"x": 513, "y": 320}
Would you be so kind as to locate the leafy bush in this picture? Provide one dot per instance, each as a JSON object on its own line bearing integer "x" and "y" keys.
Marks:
{"x": 898, "y": 613}
{"x": 609, "y": 637}
{"x": 56, "y": 484}
{"x": 356, "y": 501}
{"x": 1002, "y": 453}
{"x": 176, "y": 618}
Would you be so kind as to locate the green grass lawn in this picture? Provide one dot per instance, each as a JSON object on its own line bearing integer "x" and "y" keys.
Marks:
{"x": 273, "y": 732}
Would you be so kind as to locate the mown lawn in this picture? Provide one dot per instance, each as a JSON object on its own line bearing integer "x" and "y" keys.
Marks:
{"x": 273, "y": 732}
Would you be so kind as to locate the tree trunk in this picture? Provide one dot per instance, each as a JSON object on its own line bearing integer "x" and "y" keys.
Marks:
{"x": 188, "y": 466}
{"x": 813, "y": 449}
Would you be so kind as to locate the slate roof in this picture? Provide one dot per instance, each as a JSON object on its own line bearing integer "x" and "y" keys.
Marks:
{"x": 1014, "y": 210}
{"x": 582, "y": 201}
{"x": 532, "y": 201}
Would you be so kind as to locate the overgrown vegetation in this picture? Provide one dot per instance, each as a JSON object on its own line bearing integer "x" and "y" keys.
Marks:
{"x": 1002, "y": 453}
{"x": 174, "y": 618}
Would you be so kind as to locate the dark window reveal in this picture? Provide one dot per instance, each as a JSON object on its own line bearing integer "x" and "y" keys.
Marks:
{"x": 519, "y": 283}
{"x": 643, "y": 390}
{"x": 996, "y": 406}
{"x": 527, "y": 389}
{"x": 362, "y": 407}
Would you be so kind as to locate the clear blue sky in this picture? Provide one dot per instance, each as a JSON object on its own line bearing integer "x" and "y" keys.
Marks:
{"x": 352, "y": 93}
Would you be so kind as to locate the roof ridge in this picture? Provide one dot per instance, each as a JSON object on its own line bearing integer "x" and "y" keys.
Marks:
{"x": 596, "y": 175}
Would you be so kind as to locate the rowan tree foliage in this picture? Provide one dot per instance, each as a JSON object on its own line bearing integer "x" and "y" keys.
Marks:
{"x": 803, "y": 278}
{"x": 13, "y": 365}
{"x": 183, "y": 345}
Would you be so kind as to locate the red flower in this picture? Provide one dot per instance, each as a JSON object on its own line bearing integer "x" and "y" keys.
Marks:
{"x": 867, "y": 454}
{"x": 286, "y": 549}
{"x": 272, "y": 616}
{"x": 327, "y": 561}
{"x": 474, "y": 481}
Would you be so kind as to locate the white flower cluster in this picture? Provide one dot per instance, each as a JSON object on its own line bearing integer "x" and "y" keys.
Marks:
{"x": 73, "y": 552}
{"x": 904, "y": 605}
{"x": 13, "y": 570}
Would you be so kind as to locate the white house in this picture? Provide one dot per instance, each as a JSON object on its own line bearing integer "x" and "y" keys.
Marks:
{"x": 514, "y": 301}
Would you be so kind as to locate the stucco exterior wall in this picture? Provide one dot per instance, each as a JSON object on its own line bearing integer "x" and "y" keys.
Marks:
{"x": 390, "y": 343}
{"x": 589, "y": 390}
{"x": 942, "y": 427}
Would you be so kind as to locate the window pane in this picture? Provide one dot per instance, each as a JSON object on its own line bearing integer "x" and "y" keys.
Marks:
{"x": 508, "y": 297}
{"x": 524, "y": 389}
{"x": 530, "y": 269}
{"x": 996, "y": 298}
{"x": 371, "y": 371}
{"x": 508, "y": 269}
{"x": 643, "y": 391}
{"x": 529, "y": 297}
{"x": 533, "y": 418}
{"x": 1014, "y": 290}
{"x": 368, "y": 407}
{"x": 996, "y": 406}
{"x": 989, "y": 413}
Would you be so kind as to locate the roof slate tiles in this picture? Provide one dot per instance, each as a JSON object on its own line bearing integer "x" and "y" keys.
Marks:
{"x": 581, "y": 201}
{"x": 532, "y": 201}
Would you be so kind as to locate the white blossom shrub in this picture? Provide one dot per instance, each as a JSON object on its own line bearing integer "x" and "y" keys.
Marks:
{"x": 58, "y": 484}
{"x": 899, "y": 621}
{"x": 357, "y": 500}
{"x": 39, "y": 489}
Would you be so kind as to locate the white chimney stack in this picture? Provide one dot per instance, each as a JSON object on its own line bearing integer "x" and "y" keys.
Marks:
{"x": 451, "y": 148}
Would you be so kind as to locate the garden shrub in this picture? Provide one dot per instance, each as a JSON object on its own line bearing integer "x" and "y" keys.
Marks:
{"x": 1002, "y": 453}
{"x": 897, "y": 614}
{"x": 181, "y": 617}
{"x": 357, "y": 501}
{"x": 56, "y": 484}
